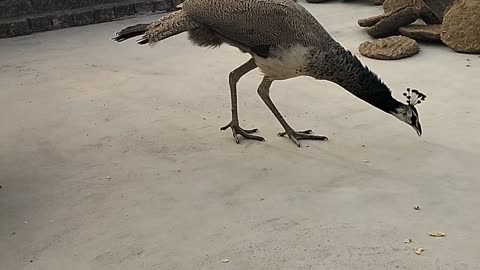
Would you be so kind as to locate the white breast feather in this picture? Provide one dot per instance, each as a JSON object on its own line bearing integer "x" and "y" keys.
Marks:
{"x": 283, "y": 63}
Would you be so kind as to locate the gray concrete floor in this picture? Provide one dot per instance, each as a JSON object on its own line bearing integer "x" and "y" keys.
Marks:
{"x": 111, "y": 158}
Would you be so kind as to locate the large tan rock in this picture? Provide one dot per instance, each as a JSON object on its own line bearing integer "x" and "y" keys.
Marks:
{"x": 461, "y": 27}
{"x": 429, "y": 32}
{"x": 391, "y": 48}
{"x": 388, "y": 25}
{"x": 431, "y": 11}
{"x": 391, "y": 5}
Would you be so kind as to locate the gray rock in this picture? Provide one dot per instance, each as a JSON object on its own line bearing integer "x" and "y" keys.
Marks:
{"x": 142, "y": 8}
{"x": 461, "y": 27}
{"x": 104, "y": 15}
{"x": 84, "y": 18}
{"x": 20, "y": 27}
{"x": 42, "y": 23}
{"x": 124, "y": 11}
{"x": 62, "y": 21}
{"x": 4, "y": 30}
{"x": 391, "y": 48}
{"x": 429, "y": 32}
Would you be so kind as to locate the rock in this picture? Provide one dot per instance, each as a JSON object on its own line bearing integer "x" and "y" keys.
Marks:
{"x": 104, "y": 15}
{"x": 391, "y": 5}
{"x": 41, "y": 23}
{"x": 20, "y": 27}
{"x": 143, "y": 8}
{"x": 371, "y": 21}
{"x": 389, "y": 25}
{"x": 377, "y": 2}
{"x": 460, "y": 28}
{"x": 317, "y": 1}
{"x": 430, "y": 32}
{"x": 433, "y": 11}
{"x": 62, "y": 21}
{"x": 395, "y": 47}
{"x": 84, "y": 18}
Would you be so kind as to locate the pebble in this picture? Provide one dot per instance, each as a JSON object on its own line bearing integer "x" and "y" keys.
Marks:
{"x": 416, "y": 207}
{"x": 109, "y": 177}
{"x": 25, "y": 222}
{"x": 224, "y": 260}
{"x": 437, "y": 234}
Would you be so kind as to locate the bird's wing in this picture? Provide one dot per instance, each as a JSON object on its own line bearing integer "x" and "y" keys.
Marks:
{"x": 256, "y": 22}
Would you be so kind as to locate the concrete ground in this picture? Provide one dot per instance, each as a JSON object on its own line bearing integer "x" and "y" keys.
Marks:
{"x": 111, "y": 158}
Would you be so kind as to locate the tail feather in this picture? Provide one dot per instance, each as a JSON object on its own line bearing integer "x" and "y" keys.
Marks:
{"x": 168, "y": 26}
{"x": 131, "y": 31}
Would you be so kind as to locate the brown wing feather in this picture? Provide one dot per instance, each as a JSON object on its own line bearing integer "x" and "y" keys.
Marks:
{"x": 258, "y": 22}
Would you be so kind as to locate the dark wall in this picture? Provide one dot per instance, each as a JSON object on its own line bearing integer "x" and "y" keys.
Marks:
{"x": 23, "y": 17}
{"x": 12, "y": 8}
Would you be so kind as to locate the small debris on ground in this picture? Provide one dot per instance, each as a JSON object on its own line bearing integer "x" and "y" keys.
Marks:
{"x": 25, "y": 222}
{"x": 366, "y": 160}
{"x": 416, "y": 207}
{"x": 407, "y": 241}
{"x": 261, "y": 199}
{"x": 437, "y": 234}
{"x": 224, "y": 260}
{"x": 13, "y": 233}
{"x": 419, "y": 251}
{"x": 108, "y": 177}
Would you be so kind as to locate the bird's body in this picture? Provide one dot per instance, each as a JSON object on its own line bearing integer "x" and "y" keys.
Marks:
{"x": 284, "y": 40}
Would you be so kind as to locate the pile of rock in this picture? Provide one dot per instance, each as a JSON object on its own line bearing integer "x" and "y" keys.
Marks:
{"x": 455, "y": 23}
{"x": 375, "y": 2}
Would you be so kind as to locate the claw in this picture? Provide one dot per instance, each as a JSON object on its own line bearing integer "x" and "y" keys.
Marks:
{"x": 295, "y": 136}
{"x": 237, "y": 130}
{"x": 308, "y": 131}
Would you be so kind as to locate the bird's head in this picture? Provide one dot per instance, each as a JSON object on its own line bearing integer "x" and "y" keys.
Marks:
{"x": 407, "y": 112}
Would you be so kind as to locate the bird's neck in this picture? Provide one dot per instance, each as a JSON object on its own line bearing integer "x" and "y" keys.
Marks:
{"x": 343, "y": 68}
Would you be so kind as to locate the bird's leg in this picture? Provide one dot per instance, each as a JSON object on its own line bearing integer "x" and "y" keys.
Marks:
{"x": 234, "y": 77}
{"x": 295, "y": 136}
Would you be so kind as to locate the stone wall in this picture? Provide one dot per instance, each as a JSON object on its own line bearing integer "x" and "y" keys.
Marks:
{"x": 22, "y": 17}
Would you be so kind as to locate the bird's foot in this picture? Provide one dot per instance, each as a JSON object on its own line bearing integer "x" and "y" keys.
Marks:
{"x": 295, "y": 136}
{"x": 246, "y": 133}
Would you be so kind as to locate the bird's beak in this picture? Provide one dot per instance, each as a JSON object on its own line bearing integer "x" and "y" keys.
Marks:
{"x": 418, "y": 129}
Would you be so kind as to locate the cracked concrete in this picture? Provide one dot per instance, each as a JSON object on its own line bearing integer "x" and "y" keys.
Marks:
{"x": 112, "y": 155}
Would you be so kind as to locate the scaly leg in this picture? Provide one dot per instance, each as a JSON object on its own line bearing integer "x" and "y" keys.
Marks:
{"x": 234, "y": 77}
{"x": 264, "y": 92}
